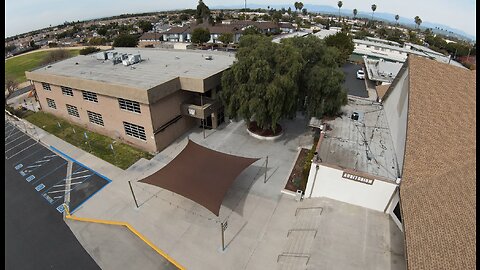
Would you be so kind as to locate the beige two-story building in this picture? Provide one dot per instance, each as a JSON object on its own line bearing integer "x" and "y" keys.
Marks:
{"x": 144, "y": 97}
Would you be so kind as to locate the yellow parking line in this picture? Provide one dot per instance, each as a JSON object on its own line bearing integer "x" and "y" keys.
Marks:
{"x": 133, "y": 230}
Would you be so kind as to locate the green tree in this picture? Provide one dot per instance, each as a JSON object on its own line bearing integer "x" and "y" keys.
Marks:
{"x": 226, "y": 38}
{"x": 10, "y": 48}
{"x": 203, "y": 12}
{"x": 262, "y": 84}
{"x": 145, "y": 26}
{"x": 125, "y": 40}
{"x": 300, "y": 5}
{"x": 89, "y": 50}
{"x": 343, "y": 42}
{"x": 321, "y": 80}
{"x": 97, "y": 41}
{"x": 339, "y": 4}
{"x": 396, "y": 18}
{"x": 418, "y": 21}
{"x": 296, "y": 6}
{"x": 200, "y": 35}
{"x": 55, "y": 56}
{"x": 355, "y": 13}
{"x": 251, "y": 30}
{"x": 10, "y": 85}
{"x": 374, "y": 7}
{"x": 304, "y": 11}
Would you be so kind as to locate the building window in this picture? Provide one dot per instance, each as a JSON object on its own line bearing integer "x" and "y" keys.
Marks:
{"x": 129, "y": 105}
{"x": 51, "y": 103}
{"x": 95, "y": 118}
{"x": 67, "y": 91}
{"x": 134, "y": 131}
{"x": 90, "y": 96}
{"x": 72, "y": 110}
{"x": 46, "y": 86}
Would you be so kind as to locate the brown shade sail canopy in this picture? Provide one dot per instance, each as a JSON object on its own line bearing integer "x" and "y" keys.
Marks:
{"x": 200, "y": 174}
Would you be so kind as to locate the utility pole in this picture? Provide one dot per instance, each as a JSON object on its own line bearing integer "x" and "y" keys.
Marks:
{"x": 245, "y": 4}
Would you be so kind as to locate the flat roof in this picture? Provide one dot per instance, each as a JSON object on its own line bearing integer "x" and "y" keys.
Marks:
{"x": 365, "y": 144}
{"x": 157, "y": 66}
{"x": 381, "y": 70}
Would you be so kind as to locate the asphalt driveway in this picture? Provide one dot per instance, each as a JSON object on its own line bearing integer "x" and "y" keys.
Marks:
{"x": 354, "y": 86}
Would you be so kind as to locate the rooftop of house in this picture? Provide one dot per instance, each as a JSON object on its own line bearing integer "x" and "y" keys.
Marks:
{"x": 157, "y": 66}
{"x": 438, "y": 189}
{"x": 364, "y": 145}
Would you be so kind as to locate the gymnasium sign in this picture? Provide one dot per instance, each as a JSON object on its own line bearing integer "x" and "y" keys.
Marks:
{"x": 357, "y": 178}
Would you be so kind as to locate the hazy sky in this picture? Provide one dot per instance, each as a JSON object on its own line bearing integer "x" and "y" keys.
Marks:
{"x": 26, "y": 15}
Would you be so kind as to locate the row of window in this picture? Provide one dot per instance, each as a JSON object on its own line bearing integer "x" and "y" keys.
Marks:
{"x": 125, "y": 104}
{"x": 96, "y": 118}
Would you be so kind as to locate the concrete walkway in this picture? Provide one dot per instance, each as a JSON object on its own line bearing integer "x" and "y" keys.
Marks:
{"x": 259, "y": 216}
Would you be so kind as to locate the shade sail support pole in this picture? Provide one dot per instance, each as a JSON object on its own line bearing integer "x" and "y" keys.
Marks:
{"x": 266, "y": 165}
{"x": 133, "y": 194}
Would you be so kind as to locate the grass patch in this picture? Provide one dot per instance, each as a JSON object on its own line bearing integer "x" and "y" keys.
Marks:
{"x": 17, "y": 66}
{"x": 98, "y": 145}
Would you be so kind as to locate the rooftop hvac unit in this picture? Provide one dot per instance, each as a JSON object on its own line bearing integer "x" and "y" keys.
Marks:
{"x": 111, "y": 55}
{"x": 117, "y": 60}
{"x": 209, "y": 57}
{"x": 101, "y": 56}
{"x": 126, "y": 62}
{"x": 133, "y": 58}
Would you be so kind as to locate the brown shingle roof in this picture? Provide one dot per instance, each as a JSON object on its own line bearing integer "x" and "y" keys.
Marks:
{"x": 176, "y": 30}
{"x": 438, "y": 186}
{"x": 150, "y": 36}
{"x": 381, "y": 90}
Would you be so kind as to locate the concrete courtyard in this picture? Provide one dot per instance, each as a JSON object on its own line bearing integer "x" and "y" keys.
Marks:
{"x": 265, "y": 227}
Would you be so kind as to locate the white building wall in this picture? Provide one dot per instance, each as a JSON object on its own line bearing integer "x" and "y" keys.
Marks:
{"x": 396, "y": 110}
{"x": 330, "y": 183}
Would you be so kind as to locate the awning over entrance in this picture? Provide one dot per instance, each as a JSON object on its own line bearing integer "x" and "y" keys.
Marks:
{"x": 200, "y": 174}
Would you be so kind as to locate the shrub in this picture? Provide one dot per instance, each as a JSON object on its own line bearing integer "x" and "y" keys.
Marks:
{"x": 88, "y": 50}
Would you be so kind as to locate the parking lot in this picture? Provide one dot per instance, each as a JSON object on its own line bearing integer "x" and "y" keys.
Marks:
{"x": 57, "y": 178}
{"x": 354, "y": 86}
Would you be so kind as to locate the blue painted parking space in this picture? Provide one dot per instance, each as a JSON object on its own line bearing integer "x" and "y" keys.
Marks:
{"x": 53, "y": 175}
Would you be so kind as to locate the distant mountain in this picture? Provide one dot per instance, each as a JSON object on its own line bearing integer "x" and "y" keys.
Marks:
{"x": 361, "y": 14}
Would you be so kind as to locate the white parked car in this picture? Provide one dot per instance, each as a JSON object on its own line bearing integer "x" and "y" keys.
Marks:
{"x": 360, "y": 74}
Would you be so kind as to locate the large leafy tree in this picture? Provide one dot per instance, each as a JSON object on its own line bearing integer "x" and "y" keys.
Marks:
{"x": 272, "y": 81}
{"x": 226, "y": 38}
{"x": 203, "y": 12}
{"x": 321, "y": 79}
{"x": 262, "y": 84}
{"x": 145, "y": 26}
{"x": 200, "y": 35}
{"x": 125, "y": 40}
{"x": 343, "y": 42}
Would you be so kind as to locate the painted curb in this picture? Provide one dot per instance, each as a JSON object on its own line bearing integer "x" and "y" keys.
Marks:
{"x": 270, "y": 138}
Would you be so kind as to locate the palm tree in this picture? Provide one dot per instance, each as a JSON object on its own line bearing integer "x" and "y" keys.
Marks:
{"x": 418, "y": 21}
{"x": 354, "y": 13}
{"x": 295, "y": 5}
{"x": 396, "y": 18}
{"x": 300, "y": 5}
{"x": 339, "y": 4}
{"x": 374, "y": 7}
